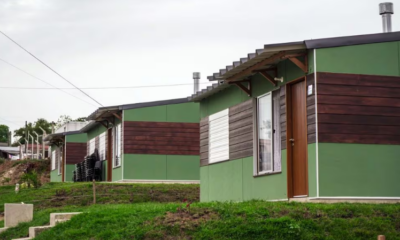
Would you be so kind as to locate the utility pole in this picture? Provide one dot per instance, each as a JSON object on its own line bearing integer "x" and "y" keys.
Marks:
{"x": 9, "y": 139}
{"x": 43, "y": 136}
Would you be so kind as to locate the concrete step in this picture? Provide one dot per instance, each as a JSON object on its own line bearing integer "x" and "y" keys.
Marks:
{"x": 3, "y": 229}
{"x": 55, "y": 218}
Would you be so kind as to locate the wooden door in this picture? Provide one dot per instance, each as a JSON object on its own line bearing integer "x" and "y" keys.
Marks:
{"x": 109, "y": 155}
{"x": 298, "y": 140}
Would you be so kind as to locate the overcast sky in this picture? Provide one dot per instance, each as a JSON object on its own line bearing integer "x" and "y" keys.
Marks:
{"x": 117, "y": 43}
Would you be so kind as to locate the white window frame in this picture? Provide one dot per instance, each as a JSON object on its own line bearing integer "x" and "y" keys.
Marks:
{"x": 102, "y": 146}
{"x": 117, "y": 145}
{"x": 53, "y": 159}
{"x": 218, "y": 126}
{"x": 92, "y": 146}
{"x": 274, "y": 158}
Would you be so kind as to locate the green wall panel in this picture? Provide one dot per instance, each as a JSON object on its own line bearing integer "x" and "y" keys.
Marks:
{"x": 225, "y": 181}
{"x": 204, "y": 183}
{"x": 374, "y": 59}
{"x": 267, "y": 187}
{"x": 96, "y": 131}
{"x": 312, "y": 171}
{"x": 76, "y": 138}
{"x": 184, "y": 112}
{"x": 54, "y": 177}
{"x": 117, "y": 174}
{"x": 154, "y": 114}
{"x": 68, "y": 172}
{"x": 359, "y": 170}
{"x": 145, "y": 166}
{"x": 161, "y": 167}
{"x": 183, "y": 167}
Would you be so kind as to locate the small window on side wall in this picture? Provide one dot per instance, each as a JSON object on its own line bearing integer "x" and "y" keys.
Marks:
{"x": 268, "y": 134}
{"x": 117, "y": 145}
{"x": 218, "y": 136}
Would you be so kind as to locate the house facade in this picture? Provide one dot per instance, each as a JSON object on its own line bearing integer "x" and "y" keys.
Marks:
{"x": 147, "y": 142}
{"x": 316, "y": 120}
{"x": 66, "y": 149}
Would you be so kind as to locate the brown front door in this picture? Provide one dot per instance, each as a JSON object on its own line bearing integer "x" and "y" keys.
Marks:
{"x": 298, "y": 139}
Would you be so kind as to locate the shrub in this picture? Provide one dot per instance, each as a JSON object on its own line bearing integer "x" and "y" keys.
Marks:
{"x": 30, "y": 178}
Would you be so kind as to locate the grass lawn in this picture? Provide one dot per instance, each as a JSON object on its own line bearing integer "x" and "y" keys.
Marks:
{"x": 247, "y": 220}
{"x": 52, "y": 195}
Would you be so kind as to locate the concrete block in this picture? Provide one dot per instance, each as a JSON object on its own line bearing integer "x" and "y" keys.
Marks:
{"x": 17, "y": 213}
{"x": 34, "y": 231}
{"x": 3, "y": 229}
{"x": 22, "y": 238}
{"x": 56, "y": 218}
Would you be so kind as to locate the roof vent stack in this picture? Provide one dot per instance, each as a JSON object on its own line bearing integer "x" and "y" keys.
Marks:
{"x": 386, "y": 10}
{"x": 196, "y": 79}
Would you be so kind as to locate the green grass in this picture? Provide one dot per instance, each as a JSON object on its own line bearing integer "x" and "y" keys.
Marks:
{"x": 53, "y": 195}
{"x": 247, "y": 220}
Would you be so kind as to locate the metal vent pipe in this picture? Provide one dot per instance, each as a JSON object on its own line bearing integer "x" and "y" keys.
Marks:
{"x": 196, "y": 79}
{"x": 386, "y": 10}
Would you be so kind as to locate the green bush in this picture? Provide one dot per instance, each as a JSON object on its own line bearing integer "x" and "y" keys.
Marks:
{"x": 31, "y": 178}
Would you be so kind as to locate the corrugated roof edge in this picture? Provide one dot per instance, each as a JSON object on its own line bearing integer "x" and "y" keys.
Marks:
{"x": 154, "y": 104}
{"x": 89, "y": 126}
{"x": 352, "y": 40}
{"x": 50, "y": 136}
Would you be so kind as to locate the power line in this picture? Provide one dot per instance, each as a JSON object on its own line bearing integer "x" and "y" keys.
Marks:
{"x": 50, "y": 68}
{"x": 54, "y": 87}
{"x": 102, "y": 88}
{"x": 12, "y": 122}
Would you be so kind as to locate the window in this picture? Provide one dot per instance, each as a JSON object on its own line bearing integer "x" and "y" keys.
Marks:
{"x": 53, "y": 160}
{"x": 117, "y": 145}
{"x": 102, "y": 146}
{"x": 219, "y": 136}
{"x": 268, "y": 133}
{"x": 60, "y": 154}
{"x": 92, "y": 145}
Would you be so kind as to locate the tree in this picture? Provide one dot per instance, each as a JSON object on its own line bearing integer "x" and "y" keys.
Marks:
{"x": 4, "y": 133}
{"x": 41, "y": 122}
{"x": 63, "y": 119}
{"x": 81, "y": 119}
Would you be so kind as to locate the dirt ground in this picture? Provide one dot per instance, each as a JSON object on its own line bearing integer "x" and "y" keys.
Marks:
{"x": 10, "y": 172}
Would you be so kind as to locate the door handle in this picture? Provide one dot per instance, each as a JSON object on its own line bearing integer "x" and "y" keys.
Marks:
{"x": 292, "y": 140}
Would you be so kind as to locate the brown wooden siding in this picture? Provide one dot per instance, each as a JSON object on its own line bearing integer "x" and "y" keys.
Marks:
{"x": 75, "y": 152}
{"x": 354, "y": 108}
{"x": 204, "y": 128}
{"x": 241, "y": 130}
{"x": 311, "y": 125}
{"x": 161, "y": 138}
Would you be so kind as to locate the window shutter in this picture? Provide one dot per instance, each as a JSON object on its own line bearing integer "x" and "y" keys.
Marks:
{"x": 219, "y": 136}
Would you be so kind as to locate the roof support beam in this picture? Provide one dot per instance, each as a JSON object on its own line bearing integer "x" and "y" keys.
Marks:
{"x": 300, "y": 64}
{"x": 117, "y": 116}
{"x": 268, "y": 77}
{"x": 245, "y": 89}
{"x": 264, "y": 62}
{"x": 105, "y": 125}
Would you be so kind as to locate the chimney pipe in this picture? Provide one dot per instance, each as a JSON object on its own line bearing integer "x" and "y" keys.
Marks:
{"x": 196, "y": 78}
{"x": 386, "y": 10}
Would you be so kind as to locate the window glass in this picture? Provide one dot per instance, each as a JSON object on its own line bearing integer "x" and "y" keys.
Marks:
{"x": 265, "y": 133}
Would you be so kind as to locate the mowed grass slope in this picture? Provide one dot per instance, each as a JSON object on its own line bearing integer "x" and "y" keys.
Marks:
{"x": 52, "y": 195}
{"x": 247, "y": 220}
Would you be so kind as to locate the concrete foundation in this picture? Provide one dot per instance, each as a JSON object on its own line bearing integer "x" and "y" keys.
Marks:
{"x": 17, "y": 213}
{"x": 56, "y": 218}
{"x": 346, "y": 200}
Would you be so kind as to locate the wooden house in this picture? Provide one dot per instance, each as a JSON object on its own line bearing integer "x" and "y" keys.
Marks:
{"x": 310, "y": 120}
{"x": 147, "y": 142}
{"x": 66, "y": 149}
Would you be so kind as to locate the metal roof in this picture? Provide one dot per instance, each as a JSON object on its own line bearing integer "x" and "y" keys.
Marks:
{"x": 270, "y": 50}
{"x": 89, "y": 126}
{"x": 107, "y": 111}
{"x": 10, "y": 150}
{"x": 50, "y": 137}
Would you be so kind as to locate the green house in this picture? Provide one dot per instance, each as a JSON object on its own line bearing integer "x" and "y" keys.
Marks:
{"x": 147, "y": 142}
{"x": 68, "y": 147}
{"x": 313, "y": 120}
